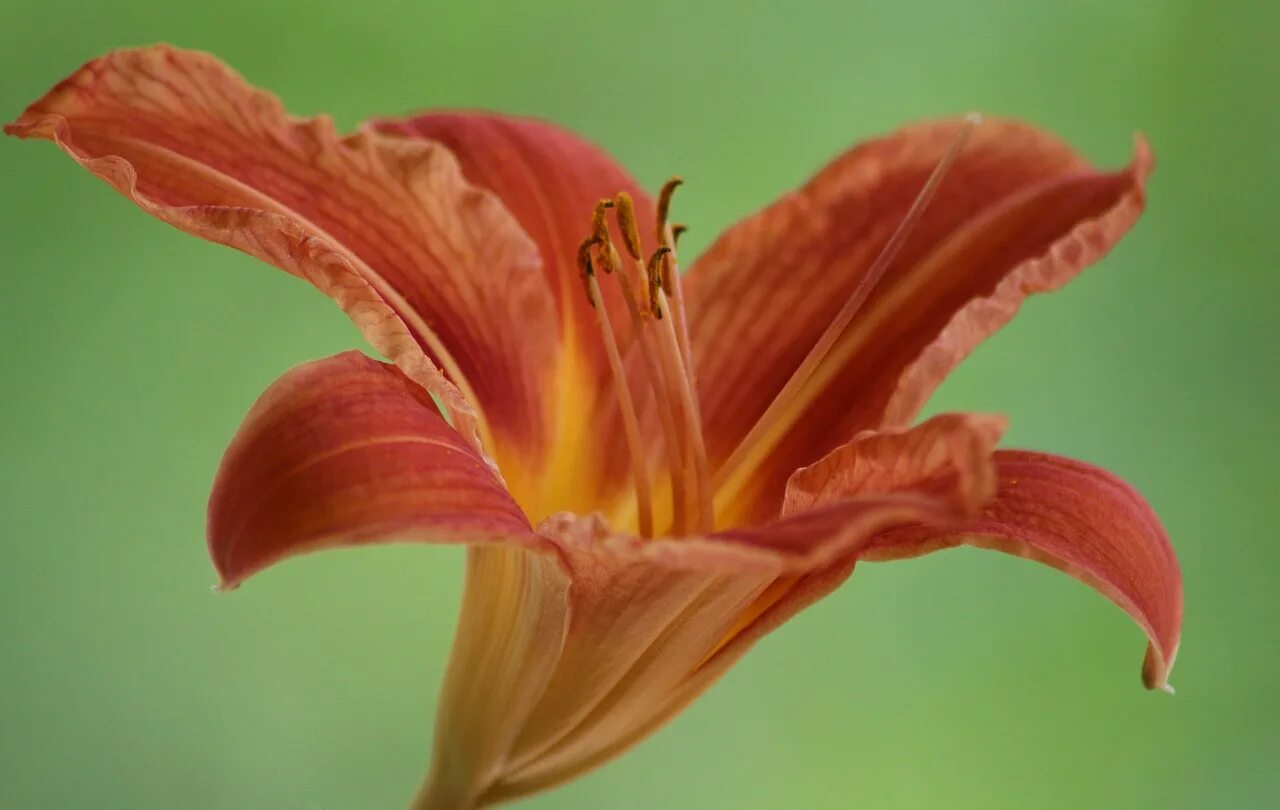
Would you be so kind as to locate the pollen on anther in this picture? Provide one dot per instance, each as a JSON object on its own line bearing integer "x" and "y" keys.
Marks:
{"x": 627, "y": 223}
{"x": 586, "y": 268}
{"x": 600, "y": 225}
{"x": 664, "y": 202}
{"x": 657, "y": 277}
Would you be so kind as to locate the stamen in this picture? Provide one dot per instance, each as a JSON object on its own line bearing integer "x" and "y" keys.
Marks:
{"x": 586, "y": 269}
{"x": 657, "y": 276}
{"x": 658, "y": 383}
{"x": 664, "y": 206}
{"x": 627, "y": 223}
{"x": 770, "y": 422}
{"x": 669, "y": 236}
{"x": 630, "y": 422}
{"x": 600, "y": 234}
{"x": 677, "y": 231}
{"x": 674, "y": 289}
{"x": 678, "y": 327}
{"x": 693, "y": 424}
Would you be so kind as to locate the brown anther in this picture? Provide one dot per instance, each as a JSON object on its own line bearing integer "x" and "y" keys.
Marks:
{"x": 664, "y": 205}
{"x": 662, "y": 259}
{"x": 599, "y": 225}
{"x": 608, "y": 255}
{"x": 657, "y": 275}
{"x": 586, "y": 268}
{"x": 627, "y": 223}
{"x": 677, "y": 231}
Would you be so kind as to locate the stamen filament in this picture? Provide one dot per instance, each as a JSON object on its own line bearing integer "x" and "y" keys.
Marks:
{"x": 630, "y": 422}
{"x": 675, "y": 295}
{"x": 693, "y": 425}
{"x": 770, "y": 423}
{"x": 659, "y": 386}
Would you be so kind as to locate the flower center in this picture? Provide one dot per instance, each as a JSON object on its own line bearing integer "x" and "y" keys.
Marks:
{"x": 659, "y": 331}
{"x": 655, "y": 307}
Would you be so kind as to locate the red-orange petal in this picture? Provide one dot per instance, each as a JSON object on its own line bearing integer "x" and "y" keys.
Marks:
{"x": 1019, "y": 212}
{"x": 424, "y": 262}
{"x": 551, "y": 179}
{"x": 1081, "y": 520}
{"x": 349, "y": 451}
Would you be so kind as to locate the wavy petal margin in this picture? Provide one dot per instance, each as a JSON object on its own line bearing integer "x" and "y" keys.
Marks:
{"x": 428, "y": 266}
{"x": 1019, "y": 213}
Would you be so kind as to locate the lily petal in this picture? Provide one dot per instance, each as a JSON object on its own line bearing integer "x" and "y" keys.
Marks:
{"x": 1019, "y": 212}
{"x": 510, "y": 634}
{"x": 1082, "y": 520}
{"x": 425, "y": 263}
{"x": 550, "y": 179}
{"x": 952, "y": 447}
{"x": 654, "y": 623}
{"x": 349, "y": 451}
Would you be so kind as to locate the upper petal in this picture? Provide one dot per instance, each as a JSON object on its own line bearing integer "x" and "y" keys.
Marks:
{"x": 349, "y": 451}
{"x": 1019, "y": 212}
{"x": 1082, "y": 520}
{"x": 421, "y": 259}
{"x": 550, "y": 179}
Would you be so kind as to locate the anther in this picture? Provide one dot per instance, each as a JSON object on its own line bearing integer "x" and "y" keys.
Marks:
{"x": 586, "y": 268}
{"x": 664, "y": 206}
{"x": 627, "y": 224}
{"x": 600, "y": 225}
{"x": 607, "y": 253}
{"x": 677, "y": 231}
{"x": 657, "y": 276}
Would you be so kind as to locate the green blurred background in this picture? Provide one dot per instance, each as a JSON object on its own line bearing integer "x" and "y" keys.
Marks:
{"x": 129, "y": 353}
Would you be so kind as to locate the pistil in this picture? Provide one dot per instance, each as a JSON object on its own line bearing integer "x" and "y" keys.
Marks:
{"x": 771, "y": 425}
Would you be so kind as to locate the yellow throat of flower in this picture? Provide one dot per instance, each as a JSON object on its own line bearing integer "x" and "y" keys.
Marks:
{"x": 698, "y": 499}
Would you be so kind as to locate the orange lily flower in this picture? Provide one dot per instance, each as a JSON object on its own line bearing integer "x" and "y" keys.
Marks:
{"x": 650, "y": 472}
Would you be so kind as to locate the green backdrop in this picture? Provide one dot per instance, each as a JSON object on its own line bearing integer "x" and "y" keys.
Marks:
{"x": 129, "y": 353}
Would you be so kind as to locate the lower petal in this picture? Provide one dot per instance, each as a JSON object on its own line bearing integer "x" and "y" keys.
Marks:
{"x": 348, "y": 451}
{"x": 1081, "y": 520}
{"x": 510, "y": 634}
{"x": 654, "y": 623}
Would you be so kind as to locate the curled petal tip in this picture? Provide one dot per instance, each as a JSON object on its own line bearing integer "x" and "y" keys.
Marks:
{"x": 1155, "y": 671}
{"x": 973, "y": 118}
{"x": 1168, "y": 689}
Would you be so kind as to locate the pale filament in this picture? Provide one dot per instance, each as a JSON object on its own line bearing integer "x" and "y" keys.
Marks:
{"x": 659, "y": 386}
{"x": 674, "y": 288}
{"x": 676, "y": 369}
{"x": 666, "y": 362}
{"x": 771, "y": 425}
{"x": 630, "y": 422}
{"x": 688, "y": 403}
